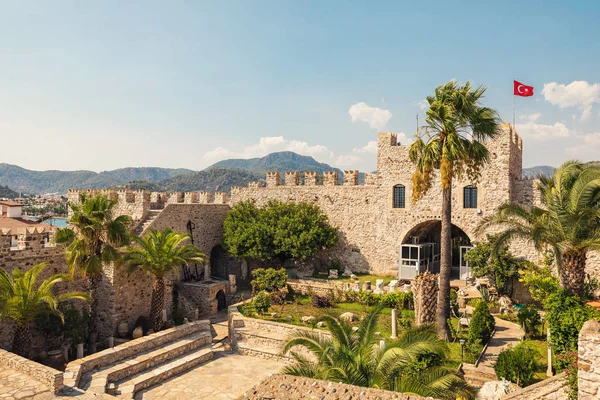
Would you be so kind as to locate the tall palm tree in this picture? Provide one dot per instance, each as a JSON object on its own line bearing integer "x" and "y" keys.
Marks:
{"x": 453, "y": 142}
{"x": 357, "y": 358}
{"x": 567, "y": 223}
{"x": 159, "y": 253}
{"x": 21, "y": 300}
{"x": 93, "y": 238}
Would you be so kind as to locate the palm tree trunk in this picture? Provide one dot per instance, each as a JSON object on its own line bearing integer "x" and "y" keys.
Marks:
{"x": 443, "y": 303}
{"x": 572, "y": 272}
{"x": 94, "y": 282}
{"x": 158, "y": 302}
{"x": 22, "y": 341}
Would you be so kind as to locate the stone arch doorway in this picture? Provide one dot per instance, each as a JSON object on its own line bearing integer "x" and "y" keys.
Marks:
{"x": 420, "y": 250}
{"x": 221, "y": 300}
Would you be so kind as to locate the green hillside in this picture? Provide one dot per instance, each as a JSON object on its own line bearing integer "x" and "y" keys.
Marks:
{"x": 8, "y": 193}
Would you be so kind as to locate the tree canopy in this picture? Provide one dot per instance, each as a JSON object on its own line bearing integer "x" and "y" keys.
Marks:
{"x": 278, "y": 230}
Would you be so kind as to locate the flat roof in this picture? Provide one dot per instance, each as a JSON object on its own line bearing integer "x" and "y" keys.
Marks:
{"x": 14, "y": 223}
{"x": 9, "y": 203}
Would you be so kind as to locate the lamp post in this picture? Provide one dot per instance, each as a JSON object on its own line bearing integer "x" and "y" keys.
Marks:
{"x": 462, "y": 349}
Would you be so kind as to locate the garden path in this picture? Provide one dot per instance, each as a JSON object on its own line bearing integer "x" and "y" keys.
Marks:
{"x": 227, "y": 376}
{"x": 15, "y": 385}
{"x": 507, "y": 333}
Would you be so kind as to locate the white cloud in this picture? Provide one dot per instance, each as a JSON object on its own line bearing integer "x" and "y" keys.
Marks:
{"x": 530, "y": 117}
{"x": 376, "y": 117}
{"x": 369, "y": 148}
{"x": 268, "y": 145}
{"x": 533, "y": 131}
{"x": 348, "y": 160}
{"x": 588, "y": 149}
{"x": 423, "y": 104}
{"x": 580, "y": 94}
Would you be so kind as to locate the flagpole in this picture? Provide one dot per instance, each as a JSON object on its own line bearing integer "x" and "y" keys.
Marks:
{"x": 514, "y": 128}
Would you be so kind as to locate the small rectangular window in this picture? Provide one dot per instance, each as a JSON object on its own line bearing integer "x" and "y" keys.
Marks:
{"x": 399, "y": 196}
{"x": 470, "y": 197}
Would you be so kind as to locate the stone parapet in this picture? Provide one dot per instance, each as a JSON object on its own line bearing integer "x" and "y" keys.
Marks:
{"x": 311, "y": 178}
{"x": 190, "y": 197}
{"x": 294, "y": 388}
{"x": 204, "y": 197}
{"x": 330, "y": 178}
{"x": 589, "y": 361}
{"x": 351, "y": 178}
{"x": 220, "y": 198}
{"x": 256, "y": 184}
{"x": 273, "y": 179}
{"x": 50, "y": 377}
{"x": 292, "y": 178}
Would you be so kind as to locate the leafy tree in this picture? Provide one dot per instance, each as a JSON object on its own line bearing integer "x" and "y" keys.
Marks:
{"x": 500, "y": 267}
{"x": 517, "y": 364}
{"x": 269, "y": 279}
{"x": 529, "y": 319}
{"x": 540, "y": 281}
{"x": 158, "y": 253}
{"x": 566, "y": 315}
{"x": 482, "y": 324}
{"x": 453, "y": 142}
{"x": 93, "y": 237}
{"x": 408, "y": 364}
{"x": 567, "y": 223}
{"x": 278, "y": 230}
{"x": 22, "y": 300}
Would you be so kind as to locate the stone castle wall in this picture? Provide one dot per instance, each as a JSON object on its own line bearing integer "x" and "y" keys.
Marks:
{"x": 371, "y": 230}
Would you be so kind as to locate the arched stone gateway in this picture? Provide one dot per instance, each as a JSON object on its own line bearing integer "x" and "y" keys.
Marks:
{"x": 420, "y": 251}
{"x": 221, "y": 300}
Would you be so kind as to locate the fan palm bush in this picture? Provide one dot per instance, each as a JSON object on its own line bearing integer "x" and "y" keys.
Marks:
{"x": 453, "y": 143}
{"x": 158, "y": 253}
{"x": 93, "y": 238}
{"x": 22, "y": 300}
{"x": 356, "y": 358}
{"x": 567, "y": 223}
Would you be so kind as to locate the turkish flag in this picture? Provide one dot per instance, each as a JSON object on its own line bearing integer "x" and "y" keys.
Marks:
{"x": 522, "y": 90}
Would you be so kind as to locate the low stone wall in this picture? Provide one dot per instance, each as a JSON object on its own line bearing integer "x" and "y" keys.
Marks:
{"x": 549, "y": 389}
{"x": 319, "y": 287}
{"x": 50, "y": 377}
{"x": 77, "y": 368}
{"x": 293, "y": 387}
{"x": 589, "y": 361}
{"x": 199, "y": 299}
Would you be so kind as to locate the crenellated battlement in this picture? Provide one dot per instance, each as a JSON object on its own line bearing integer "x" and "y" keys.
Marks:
{"x": 351, "y": 178}
{"x": 292, "y": 178}
{"x": 26, "y": 240}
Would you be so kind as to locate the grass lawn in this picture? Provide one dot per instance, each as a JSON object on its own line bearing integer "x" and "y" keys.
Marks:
{"x": 541, "y": 347}
{"x": 301, "y": 307}
{"x": 362, "y": 278}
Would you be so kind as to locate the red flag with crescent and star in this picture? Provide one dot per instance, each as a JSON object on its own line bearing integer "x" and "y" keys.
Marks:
{"x": 522, "y": 90}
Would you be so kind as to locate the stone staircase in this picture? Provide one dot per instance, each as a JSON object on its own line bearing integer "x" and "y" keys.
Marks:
{"x": 143, "y": 224}
{"x": 261, "y": 343}
{"x": 136, "y": 365}
{"x": 479, "y": 375}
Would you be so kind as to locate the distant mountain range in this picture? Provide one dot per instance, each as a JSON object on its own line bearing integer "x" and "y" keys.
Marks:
{"x": 8, "y": 193}
{"x": 218, "y": 177}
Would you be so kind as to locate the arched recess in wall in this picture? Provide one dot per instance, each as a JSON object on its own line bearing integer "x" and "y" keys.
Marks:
{"x": 222, "y": 264}
{"x": 430, "y": 232}
{"x": 221, "y": 300}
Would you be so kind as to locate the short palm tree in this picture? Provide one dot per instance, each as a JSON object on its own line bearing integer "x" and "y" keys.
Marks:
{"x": 21, "y": 300}
{"x": 159, "y": 253}
{"x": 93, "y": 238}
{"x": 567, "y": 223}
{"x": 453, "y": 142}
{"x": 357, "y": 358}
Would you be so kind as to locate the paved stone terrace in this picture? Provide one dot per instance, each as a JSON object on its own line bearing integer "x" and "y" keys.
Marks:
{"x": 227, "y": 376}
{"x": 507, "y": 334}
{"x": 16, "y": 385}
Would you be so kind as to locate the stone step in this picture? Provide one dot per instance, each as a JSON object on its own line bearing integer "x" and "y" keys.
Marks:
{"x": 261, "y": 338}
{"x": 477, "y": 381}
{"x": 128, "y": 387}
{"x": 269, "y": 353}
{"x": 119, "y": 371}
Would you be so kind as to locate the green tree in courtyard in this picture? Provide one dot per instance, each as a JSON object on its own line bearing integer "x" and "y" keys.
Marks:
{"x": 278, "y": 230}
{"x": 499, "y": 266}
{"x": 158, "y": 253}
{"x": 356, "y": 358}
{"x": 453, "y": 142}
{"x": 567, "y": 223}
{"x": 93, "y": 238}
{"x": 22, "y": 300}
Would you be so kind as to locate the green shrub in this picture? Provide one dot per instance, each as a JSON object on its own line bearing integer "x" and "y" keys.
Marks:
{"x": 482, "y": 324}
{"x": 517, "y": 364}
{"x": 262, "y": 302}
{"x": 530, "y": 320}
{"x": 566, "y": 315}
{"x": 321, "y": 301}
{"x": 269, "y": 279}
{"x": 540, "y": 281}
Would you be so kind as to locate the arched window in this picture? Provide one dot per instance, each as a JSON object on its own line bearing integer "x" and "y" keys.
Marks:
{"x": 399, "y": 196}
{"x": 470, "y": 197}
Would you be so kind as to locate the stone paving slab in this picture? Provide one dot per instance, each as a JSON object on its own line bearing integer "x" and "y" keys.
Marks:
{"x": 15, "y": 385}
{"x": 228, "y": 376}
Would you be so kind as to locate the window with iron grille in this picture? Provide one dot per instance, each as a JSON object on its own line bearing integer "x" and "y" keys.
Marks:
{"x": 470, "y": 197}
{"x": 399, "y": 196}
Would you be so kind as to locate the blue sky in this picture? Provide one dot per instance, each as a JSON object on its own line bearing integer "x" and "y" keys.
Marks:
{"x": 108, "y": 84}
